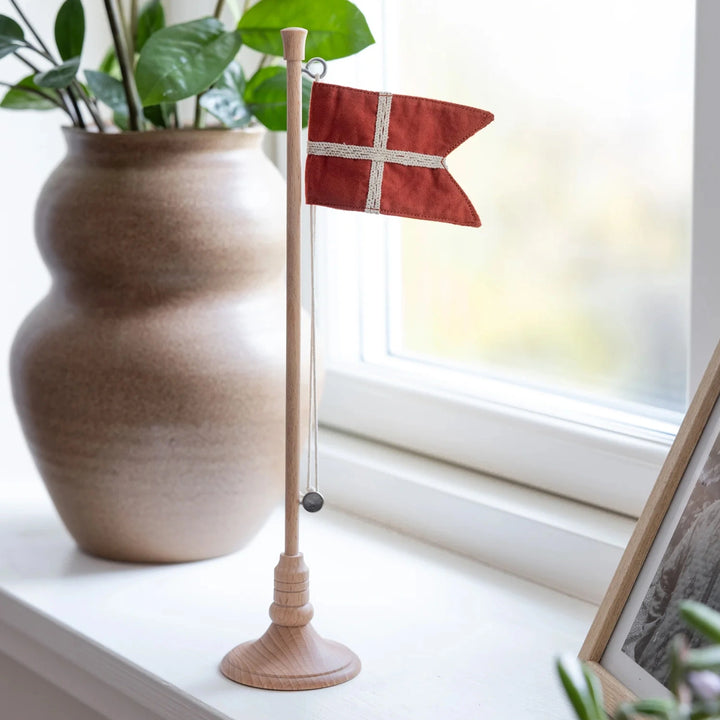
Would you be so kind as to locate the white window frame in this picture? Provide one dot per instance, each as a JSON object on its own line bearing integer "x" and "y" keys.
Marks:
{"x": 572, "y": 449}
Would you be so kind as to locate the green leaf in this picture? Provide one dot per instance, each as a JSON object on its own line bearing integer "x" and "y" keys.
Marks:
{"x": 233, "y": 78}
{"x": 266, "y": 97}
{"x": 18, "y": 98}
{"x": 336, "y": 28}
{"x": 225, "y": 100}
{"x": 595, "y": 691}
{"x": 7, "y": 47}
{"x": 183, "y": 60}
{"x": 60, "y": 76}
{"x": 227, "y": 106}
{"x": 707, "y": 658}
{"x": 581, "y": 696}
{"x": 108, "y": 90}
{"x": 653, "y": 707}
{"x": 150, "y": 19}
{"x": 121, "y": 121}
{"x": 11, "y": 36}
{"x": 701, "y": 618}
{"x": 9, "y": 29}
{"x": 159, "y": 115}
{"x": 110, "y": 65}
{"x": 70, "y": 29}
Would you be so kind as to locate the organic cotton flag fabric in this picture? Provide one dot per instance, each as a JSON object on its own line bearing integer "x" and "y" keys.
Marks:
{"x": 382, "y": 153}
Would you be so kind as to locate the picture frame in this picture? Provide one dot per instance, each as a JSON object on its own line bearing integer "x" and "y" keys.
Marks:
{"x": 625, "y": 644}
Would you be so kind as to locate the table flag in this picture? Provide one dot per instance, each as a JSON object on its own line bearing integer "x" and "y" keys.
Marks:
{"x": 382, "y": 153}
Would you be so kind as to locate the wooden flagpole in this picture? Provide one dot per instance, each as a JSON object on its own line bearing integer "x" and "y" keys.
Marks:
{"x": 291, "y": 655}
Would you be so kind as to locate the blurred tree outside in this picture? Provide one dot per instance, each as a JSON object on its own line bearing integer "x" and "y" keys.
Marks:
{"x": 578, "y": 280}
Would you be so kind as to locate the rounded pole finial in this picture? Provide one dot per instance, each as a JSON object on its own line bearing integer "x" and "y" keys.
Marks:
{"x": 293, "y": 39}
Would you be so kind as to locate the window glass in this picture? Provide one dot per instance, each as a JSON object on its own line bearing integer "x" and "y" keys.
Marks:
{"x": 578, "y": 281}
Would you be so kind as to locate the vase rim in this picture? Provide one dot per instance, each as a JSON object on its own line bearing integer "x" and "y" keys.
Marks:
{"x": 188, "y": 138}
{"x": 250, "y": 129}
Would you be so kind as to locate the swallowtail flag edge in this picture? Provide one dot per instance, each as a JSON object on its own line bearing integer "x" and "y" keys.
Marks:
{"x": 382, "y": 153}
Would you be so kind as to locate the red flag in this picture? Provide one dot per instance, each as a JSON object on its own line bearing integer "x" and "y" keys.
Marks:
{"x": 383, "y": 153}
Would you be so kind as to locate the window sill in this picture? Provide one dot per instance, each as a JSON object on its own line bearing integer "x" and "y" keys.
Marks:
{"x": 610, "y": 462}
{"x": 435, "y": 631}
{"x": 556, "y": 542}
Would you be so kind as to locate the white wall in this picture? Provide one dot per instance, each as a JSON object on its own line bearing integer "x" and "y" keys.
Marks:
{"x": 31, "y": 145}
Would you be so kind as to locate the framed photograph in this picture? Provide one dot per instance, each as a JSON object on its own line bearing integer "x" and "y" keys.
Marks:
{"x": 673, "y": 555}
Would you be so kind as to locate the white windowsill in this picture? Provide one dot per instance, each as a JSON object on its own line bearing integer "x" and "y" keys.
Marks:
{"x": 611, "y": 463}
{"x": 438, "y": 634}
{"x": 560, "y": 543}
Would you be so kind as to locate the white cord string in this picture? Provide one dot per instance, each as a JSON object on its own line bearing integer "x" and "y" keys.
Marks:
{"x": 312, "y": 483}
{"x": 312, "y": 500}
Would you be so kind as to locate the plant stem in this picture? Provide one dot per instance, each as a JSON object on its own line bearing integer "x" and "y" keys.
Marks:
{"x": 90, "y": 104}
{"x": 199, "y": 121}
{"x": 26, "y": 62}
{"x": 133, "y": 28}
{"x": 30, "y": 27}
{"x": 136, "y": 118}
{"x": 199, "y": 112}
{"x": 42, "y": 53}
{"x": 76, "y": 108}
{"x": 124, "y": 23}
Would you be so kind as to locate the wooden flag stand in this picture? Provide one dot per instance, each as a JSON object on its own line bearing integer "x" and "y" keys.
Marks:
{"x": 291, "y": 655}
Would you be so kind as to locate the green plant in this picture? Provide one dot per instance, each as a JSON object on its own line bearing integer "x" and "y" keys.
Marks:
{"x": 694, "y": 680}
{"x": 151, "y": 66}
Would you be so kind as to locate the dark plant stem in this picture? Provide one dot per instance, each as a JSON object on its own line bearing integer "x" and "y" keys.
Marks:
{"x": 136, "y": 119}
{"x": 76, "y": 109}
{"x": 42, "y": 53}
{"x": 199, "y": 121}
{"x": 27, "y": 62}
{"x": 199, "y": 112}
{"x": 31, "y": 28}
{"x": 68, "y": 108}
{"x": 91, "y": 105}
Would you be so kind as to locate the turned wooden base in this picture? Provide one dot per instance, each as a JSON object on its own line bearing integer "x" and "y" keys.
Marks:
{"x": 291, "y": 655}
{"x": 290, "y": 658}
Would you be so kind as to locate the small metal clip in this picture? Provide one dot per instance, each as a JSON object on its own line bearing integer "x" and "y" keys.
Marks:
{"x": 315, "y": 76}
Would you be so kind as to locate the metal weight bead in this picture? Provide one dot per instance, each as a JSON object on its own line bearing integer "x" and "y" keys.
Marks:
{"x": 312, "y": 501}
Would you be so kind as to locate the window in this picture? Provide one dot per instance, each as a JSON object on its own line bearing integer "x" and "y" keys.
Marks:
{"x": 551, "y": 347}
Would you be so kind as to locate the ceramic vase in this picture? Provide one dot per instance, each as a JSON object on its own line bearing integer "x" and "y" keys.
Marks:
{"x": 150, "y": 380}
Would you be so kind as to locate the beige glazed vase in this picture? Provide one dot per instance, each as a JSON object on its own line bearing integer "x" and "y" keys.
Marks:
{"x": 150, "y": 380}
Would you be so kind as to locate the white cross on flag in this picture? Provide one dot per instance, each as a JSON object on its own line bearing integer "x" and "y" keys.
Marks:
{"x": 383, "y": 153}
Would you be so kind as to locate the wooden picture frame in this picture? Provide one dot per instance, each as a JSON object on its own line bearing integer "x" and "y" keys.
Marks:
{"x": 696, "y": 444}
